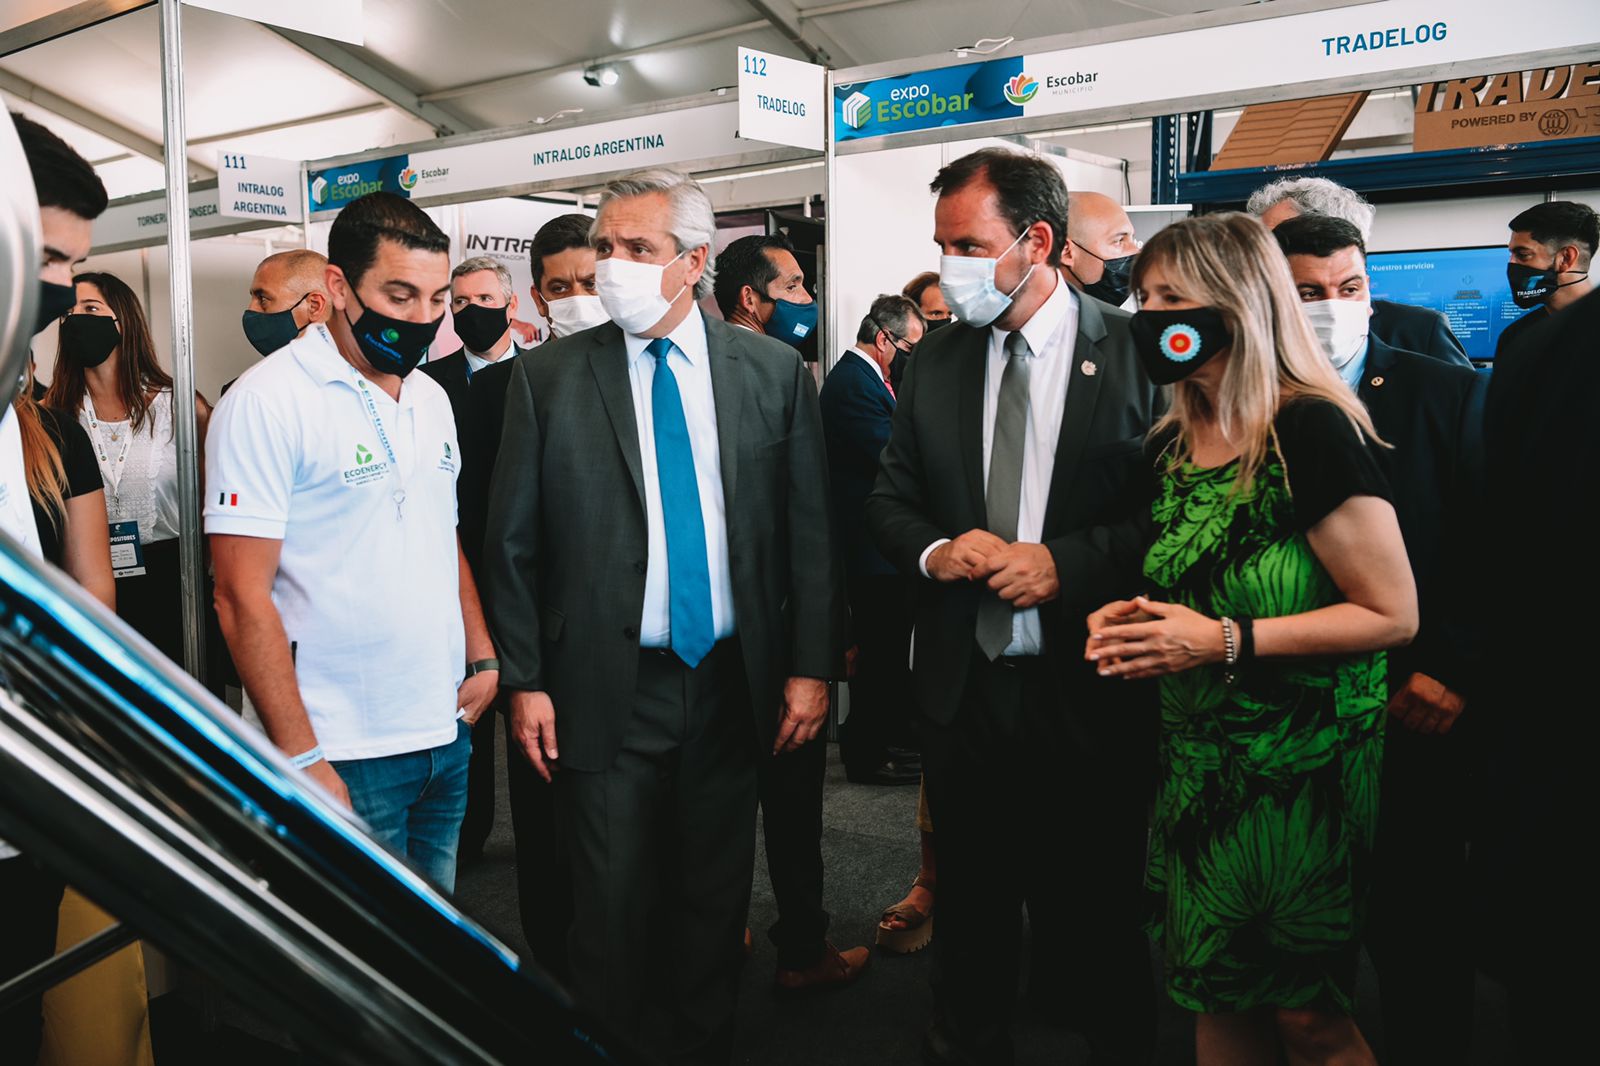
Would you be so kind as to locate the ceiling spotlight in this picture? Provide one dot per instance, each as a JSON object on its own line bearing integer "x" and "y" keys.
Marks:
{"x": 598, "y": 74}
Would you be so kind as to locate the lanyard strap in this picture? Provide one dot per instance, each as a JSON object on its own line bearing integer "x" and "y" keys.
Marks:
{"x": 383, "y": 439}
{"x": 110, "y": 472}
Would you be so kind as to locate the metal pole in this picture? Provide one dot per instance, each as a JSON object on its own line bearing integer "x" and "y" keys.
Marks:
{"x": 828, "y": 353}
{"x": 180, "y": 278}
{"x": 1164, "y": 159}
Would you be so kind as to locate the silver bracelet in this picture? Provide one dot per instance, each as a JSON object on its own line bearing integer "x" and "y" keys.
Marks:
{"x": 1230, "y": 649}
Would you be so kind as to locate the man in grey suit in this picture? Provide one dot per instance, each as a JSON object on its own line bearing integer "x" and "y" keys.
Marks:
{"x": 665, "y": 587}
{"x": 1007, "y": 492}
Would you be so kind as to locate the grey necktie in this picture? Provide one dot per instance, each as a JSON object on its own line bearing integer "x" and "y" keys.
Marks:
{"x": 1003, "y": 495}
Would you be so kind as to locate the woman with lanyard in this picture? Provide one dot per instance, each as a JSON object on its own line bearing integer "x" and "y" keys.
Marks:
{"x": 106, "y": 371}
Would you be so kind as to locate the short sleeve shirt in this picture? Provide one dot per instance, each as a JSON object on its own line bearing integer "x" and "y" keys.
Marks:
{"x": 368, "y": 588}
{"x": 83, "y": 476}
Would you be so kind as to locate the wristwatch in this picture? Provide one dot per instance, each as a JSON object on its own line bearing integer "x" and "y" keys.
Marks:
{"x": 482, "y": 666}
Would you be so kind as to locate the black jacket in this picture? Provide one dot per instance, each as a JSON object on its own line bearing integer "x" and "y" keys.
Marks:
{"x": 1417, "y": 329}
{"x": 566, "y": 552}
{"x": 1432, "y": 414}
{"x": 931, "y": 486}
{"x": 450, "y": 371}
{"x": 857, "y": 412}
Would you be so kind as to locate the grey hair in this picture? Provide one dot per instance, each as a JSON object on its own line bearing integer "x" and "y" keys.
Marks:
{"x": 485, "y": 262}
{"x": 691, "y": 220}
{"x": 891, "y": 312}
{"x": 1315, "y": 196}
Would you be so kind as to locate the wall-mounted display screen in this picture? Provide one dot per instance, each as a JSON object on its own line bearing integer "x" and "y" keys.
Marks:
{"x": 1467, "y": 284}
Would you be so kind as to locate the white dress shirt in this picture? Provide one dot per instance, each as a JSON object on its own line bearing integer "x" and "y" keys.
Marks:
{"x": 691, "y": 367}
{"x": 1052, "y": 335}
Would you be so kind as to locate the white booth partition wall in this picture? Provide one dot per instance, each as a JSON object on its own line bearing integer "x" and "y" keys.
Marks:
{"x": 1087, "y": 100}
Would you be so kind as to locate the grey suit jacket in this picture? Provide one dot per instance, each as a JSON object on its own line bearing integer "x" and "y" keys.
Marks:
{"x": 930, "y": 485}
{"x": 566, "y": 542}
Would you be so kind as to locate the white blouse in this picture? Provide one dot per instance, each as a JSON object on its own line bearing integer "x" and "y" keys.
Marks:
{"x": 140, "y": 470}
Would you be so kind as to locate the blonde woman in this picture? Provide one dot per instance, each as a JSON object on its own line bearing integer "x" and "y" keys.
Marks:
{"x": 1277, "y": 578}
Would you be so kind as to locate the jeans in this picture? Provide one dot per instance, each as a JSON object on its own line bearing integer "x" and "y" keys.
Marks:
{"x": 414, "y": 802}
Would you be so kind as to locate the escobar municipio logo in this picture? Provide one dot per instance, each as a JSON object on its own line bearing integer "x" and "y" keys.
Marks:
{"x": 857, "y": 110}
{"x": 408, "y": 179}
{"x": 1020, "y": 89}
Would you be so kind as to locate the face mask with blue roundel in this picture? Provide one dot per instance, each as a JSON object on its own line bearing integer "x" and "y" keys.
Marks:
{"x": 1174, "y": 344}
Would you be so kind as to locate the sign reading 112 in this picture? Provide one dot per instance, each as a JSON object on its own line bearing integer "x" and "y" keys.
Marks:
{"x": 233, "y": 162}
{"x": 755, "y": 66}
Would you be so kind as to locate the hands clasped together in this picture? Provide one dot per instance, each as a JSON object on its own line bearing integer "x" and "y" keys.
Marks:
{"x": 1141, "y": 638}
{"x": 1024, "y": 575}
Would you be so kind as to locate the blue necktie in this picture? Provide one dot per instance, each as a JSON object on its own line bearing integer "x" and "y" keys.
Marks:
{"x": 688, "y": 573}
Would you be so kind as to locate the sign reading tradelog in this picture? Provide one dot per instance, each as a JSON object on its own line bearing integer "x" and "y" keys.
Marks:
{"x": 780, "y": 100}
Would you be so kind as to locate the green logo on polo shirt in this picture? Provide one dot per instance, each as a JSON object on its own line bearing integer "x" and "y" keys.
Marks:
{"x": 363, "y": 457}
{"x": 447, "y": 454}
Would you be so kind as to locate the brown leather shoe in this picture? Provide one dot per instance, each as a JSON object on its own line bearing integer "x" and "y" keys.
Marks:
{"x": 834, "y": 970}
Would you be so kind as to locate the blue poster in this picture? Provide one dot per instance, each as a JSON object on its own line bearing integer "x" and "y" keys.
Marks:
{"x": 949, "y": 96}
{"x": 331, "y": 189}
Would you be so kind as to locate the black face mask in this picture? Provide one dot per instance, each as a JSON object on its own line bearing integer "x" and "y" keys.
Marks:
{"x": 1532, "y": 286}
{"x": 89, "y": 340}
{"x": 54, "y": 301}
{"x": 479, "y": 327}
{"x": 267, "y": 331}
{"x": 391, "y": 345}
{"x": 1113, "y": 287}
{"x": 935, "y": 323}
{"x": 1173, "y": 344}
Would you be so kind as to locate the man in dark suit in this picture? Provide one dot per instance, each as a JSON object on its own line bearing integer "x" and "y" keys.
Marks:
{"x": 668, "y": 599}
{"x": 482, "y": 304}
{"x": 1404, "y": 326}
{"x": 1540, "y": 501}
{"x": 1432, "y": 416}
{"x": 760, "y": 288}
{"x": 1016, "y": 437}
{"x": 562, "y": 264}
{"x": 857, "y": 410}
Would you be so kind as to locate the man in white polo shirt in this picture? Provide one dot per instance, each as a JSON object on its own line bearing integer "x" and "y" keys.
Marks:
{"x": 331, "y": 507}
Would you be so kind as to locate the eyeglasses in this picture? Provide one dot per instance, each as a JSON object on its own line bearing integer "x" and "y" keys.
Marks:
{"x": 895, "y": 340}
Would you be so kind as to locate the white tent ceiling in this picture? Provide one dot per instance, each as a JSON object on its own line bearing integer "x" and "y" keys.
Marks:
{"x": 462, "y": 65}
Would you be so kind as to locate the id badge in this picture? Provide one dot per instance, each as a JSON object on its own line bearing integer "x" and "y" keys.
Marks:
{"x": 127, "y": 553}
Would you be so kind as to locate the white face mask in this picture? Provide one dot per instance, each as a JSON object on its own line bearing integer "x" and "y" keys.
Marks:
{"x": 574, "y": 314}
{"x": 968, "y": 286}
{"x": 630, "y": 292}
{"x": 1341, "y": 326}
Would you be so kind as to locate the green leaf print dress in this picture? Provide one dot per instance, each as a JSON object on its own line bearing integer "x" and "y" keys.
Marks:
{"x": 1264, "y": 818}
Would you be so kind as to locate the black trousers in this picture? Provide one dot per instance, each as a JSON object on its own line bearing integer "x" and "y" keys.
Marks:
{"x": 880, "y": 691}
{"x": 30, "y": 899}
{"x": 663, "y": 848}
{"x": 544, "y": 872}
{"x": 1420, "y": 914}
{"x": 1026, "y": 817}
{"x": 479, "y": 820}
{"x": 791, "y": 820}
